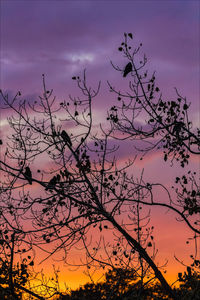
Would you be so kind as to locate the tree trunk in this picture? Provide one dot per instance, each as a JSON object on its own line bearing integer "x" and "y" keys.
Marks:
{"x": 146, "y": 257}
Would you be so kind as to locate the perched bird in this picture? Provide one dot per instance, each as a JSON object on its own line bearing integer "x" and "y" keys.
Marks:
{"x": 52, "y": 183}
{"x": 130, "y": 35}
{"x": 66, "y": 138}
{"x": 28, "y": 175}
{"x": 127, "y": 69}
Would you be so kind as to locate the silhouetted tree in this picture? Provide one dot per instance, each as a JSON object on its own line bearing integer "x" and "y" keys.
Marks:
{"x": 190, "y": 284}
{"x": 166, "y": 127}
{"x": 81, "y": 188}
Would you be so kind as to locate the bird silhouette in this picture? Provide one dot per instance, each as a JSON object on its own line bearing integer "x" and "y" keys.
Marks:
{"x": 66, "y": 138}
{"x": 127, "y": 69}
{"x": 28, "y": 175}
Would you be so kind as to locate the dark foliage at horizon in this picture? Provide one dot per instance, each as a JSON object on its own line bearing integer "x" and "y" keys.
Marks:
{"x": 122, "y": 284}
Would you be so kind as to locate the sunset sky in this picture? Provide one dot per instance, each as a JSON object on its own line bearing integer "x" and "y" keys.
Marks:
{"x": 62, "y": 38}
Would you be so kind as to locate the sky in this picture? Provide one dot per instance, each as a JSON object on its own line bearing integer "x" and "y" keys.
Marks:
{"x": 62, "y": 38}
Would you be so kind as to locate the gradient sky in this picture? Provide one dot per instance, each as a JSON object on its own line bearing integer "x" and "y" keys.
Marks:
{"x": 61, "y": 38}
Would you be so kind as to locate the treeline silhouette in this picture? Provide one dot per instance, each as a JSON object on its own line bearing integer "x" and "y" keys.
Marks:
{"x": 119, "y": 284}
{"x": 122, "y": 284}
